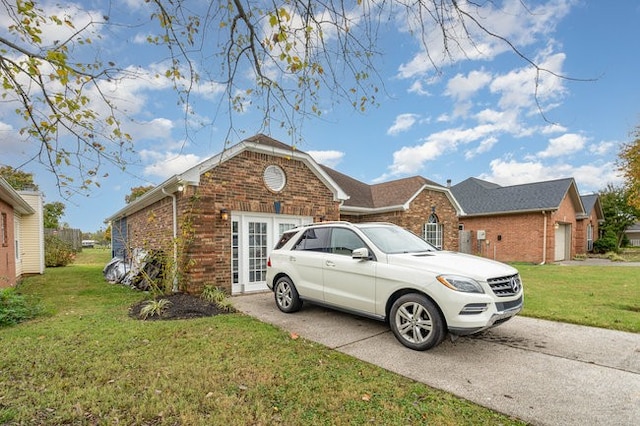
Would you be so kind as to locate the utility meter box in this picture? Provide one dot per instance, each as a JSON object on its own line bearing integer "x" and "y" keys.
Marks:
{"x": 482, "y": 235}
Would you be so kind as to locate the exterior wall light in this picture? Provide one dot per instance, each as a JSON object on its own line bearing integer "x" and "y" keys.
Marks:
{"x": 224, "y": 214}
{"x": 180, "y": 187}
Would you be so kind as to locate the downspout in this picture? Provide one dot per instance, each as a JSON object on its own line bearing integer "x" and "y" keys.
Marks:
{"x": 544, "y": 239}
{"x": 175, "y": 239}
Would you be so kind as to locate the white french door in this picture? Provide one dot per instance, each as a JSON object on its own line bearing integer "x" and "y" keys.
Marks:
{"x": 253, "y": 238}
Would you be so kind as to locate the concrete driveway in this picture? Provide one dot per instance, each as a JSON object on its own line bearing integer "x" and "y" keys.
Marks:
{"x": 542, "y": 372}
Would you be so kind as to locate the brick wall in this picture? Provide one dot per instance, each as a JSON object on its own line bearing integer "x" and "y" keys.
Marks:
{"x": 520, "y": 237}
{"x": 509, "y": 238}
{"x": 418, "y": 214}
{"x": 235, "y": 185}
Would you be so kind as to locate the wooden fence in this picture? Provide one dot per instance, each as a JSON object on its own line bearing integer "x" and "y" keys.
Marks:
{"x": 72, "y": 236}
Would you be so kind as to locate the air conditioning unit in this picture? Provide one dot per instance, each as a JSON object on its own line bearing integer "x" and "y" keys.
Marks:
{"x": 481, "y": 235}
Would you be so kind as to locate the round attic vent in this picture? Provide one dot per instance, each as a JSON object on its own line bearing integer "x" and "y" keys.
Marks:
{"x": 274, "y": 178}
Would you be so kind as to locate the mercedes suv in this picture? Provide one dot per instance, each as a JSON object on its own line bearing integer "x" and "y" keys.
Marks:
{"x": 383, "y": 271}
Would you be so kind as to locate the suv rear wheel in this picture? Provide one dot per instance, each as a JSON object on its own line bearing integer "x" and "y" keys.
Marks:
{"x": 286, "y": 295}
{"x": 416, "y": 322}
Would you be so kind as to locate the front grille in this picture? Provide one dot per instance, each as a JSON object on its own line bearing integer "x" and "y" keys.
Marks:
{"x": 505, "y": 286}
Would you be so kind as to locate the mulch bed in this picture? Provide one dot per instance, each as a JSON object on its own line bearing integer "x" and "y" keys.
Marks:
{"x": 182, "y": 306}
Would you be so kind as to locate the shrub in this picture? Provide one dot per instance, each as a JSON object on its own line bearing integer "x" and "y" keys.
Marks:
{"x": 606, "y": 244}
{"x": 14, "y": 308}
{"x": 57, "y": 252}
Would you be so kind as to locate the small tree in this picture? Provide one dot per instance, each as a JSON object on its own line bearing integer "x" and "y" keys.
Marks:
{"x": 629, "y": 165}
{"x": 618, "y": 213}
{"x": 136, "y": 192}
{"x": 52, "y": 213}
{"x": 19, "y": 180}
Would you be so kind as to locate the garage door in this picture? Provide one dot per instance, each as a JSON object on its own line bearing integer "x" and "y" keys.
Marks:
{"x": 562, "y": 242}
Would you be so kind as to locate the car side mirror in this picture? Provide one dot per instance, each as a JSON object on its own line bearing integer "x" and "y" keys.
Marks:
{"x": 360, "y": 253}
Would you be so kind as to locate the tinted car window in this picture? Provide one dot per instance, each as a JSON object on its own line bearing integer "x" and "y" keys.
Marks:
{"x": 345, "y": 241}
{"x": 314, "y": 240}
{"x": 285, "y": 237}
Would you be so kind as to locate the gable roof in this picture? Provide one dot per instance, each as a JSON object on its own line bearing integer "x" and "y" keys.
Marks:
{"x": 591, "y": 203}
{"x": 479, "y": 197}
{"x": 259, "y": 143}
{"x": 13, "y": 198}
{"x": 395, "y": 195}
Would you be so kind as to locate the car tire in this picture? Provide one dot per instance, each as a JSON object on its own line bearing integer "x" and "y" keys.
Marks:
{"x": 417, "y": 322}
{"x": 286, "y": 295}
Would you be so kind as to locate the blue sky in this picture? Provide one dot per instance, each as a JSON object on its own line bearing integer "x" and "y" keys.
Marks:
{"x": 477, "y": 117}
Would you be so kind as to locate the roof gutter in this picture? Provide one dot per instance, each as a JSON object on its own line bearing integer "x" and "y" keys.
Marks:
{"x": 359, "y": 211}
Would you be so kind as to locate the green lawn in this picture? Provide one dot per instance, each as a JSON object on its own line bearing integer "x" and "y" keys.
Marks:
{"x": 87, "y": 362}
{"x": 599, "y": 296}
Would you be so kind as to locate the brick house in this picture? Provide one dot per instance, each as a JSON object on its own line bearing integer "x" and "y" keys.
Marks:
{"x": 237, "y": 204}
{"x": 538, "y": 222}
{"x": 21, "y": 234}
{"x": 415, "y": 203}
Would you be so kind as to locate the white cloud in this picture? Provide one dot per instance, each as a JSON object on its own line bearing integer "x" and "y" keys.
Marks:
{"x": 485, "y": 146}
{"x": 327, "y": 158}
{"x": 523, "y": 88}
{"x": 566, "y": 144}
{"x": 590, "y": 177}
{"x": 521, "y": 24}
{"x": 168, "y": 164}
{"x": 402, "y": 123}
{"x": 603, "y": 147}
{"x": 462, "y": 87}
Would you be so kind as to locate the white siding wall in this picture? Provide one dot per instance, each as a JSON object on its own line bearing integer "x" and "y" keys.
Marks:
{"x": 32, "y": 236}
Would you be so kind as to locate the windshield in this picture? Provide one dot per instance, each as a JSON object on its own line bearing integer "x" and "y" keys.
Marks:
{"x": 394, "y": 239}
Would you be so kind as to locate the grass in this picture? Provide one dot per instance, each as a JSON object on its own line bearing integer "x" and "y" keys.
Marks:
{"x": 599, "y": 296}
{"x": 87, "y": 362}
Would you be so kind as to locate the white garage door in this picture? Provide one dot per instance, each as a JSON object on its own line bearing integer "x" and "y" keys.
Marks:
{"x": 253, "y": 238}
{"x": 562, "y": 242}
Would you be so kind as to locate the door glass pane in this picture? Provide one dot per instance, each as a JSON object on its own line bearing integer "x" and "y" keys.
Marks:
{"x": 234, "y": 251}
{"x": 257, "y": 251}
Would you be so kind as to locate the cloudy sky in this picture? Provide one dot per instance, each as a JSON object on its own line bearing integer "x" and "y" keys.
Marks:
{"x": 483, "y": 114}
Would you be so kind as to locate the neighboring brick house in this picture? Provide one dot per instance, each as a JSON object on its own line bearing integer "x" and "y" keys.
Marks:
{"x": 415, "y": 203}
{"x": 538, "y": 222}
{"x": 21, "y": 234}
{"x": 236, "y": 204}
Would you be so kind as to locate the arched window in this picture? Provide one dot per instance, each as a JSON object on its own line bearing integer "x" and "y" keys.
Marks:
{"x": 432, "y": 231}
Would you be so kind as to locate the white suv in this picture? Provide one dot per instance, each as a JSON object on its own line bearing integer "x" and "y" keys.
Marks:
{"x": 383, "y": 271}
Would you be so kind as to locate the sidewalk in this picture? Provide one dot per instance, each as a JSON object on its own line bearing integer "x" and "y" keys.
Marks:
{"x": 542, "y": 372}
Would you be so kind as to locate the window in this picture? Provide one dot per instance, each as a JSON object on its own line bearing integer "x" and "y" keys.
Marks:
{"x": 4, "y": 230}
{"x": 314, "y": 240}
{"x": 589, "y": 237}
{"x": 345, "y": 241}
{"x": 433, "y": 231}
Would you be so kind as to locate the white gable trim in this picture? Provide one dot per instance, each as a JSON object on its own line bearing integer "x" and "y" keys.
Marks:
{"x": 191, "y": 177}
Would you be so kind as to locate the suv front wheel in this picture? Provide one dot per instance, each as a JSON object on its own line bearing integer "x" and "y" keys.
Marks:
{"x": 286, "y": 295}
{"x": 416, "y": 322}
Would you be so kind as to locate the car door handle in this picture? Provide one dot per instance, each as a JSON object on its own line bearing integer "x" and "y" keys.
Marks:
{"x": 292, "y": 259}
{"x": 330, "y": 263}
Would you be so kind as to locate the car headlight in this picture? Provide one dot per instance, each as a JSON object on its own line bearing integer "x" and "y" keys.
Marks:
{"x": 459, "y": 283}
